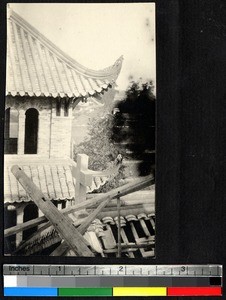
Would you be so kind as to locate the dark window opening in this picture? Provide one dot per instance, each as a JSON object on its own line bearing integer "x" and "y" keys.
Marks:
{"x": 66, "y": 108}
{"x": 58, "y": 108}
{"x": 11, "y": 131}
{"x": 31, "y": 131}
{"x": 55, "y": 202}
{"x": 30, "y": 213}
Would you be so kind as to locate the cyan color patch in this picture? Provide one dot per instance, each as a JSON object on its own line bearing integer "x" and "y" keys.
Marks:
{"x": 38, "y": 292}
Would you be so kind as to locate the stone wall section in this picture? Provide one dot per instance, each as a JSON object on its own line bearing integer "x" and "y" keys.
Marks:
{"x": 44, "y": 132}
{"x": 61, "y": 137}
{"x": 54, "y": 132}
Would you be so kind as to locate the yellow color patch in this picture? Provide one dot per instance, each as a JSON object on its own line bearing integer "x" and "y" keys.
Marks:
{"x": 139, "y": 291}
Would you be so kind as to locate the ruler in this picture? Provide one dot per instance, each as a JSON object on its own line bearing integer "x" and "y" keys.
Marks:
{"x": 112, "y": 280}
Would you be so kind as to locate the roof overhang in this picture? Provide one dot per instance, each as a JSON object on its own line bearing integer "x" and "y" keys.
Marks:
{"x": 38, "y": 68}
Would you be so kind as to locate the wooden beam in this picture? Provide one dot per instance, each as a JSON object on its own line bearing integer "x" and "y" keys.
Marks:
{"x": 126, "y": 189}
{"x": 33, "y": 237}
{"x": 107, "y": 211}
{"x": 83, "y": 177}
{"x": 137, "y": 246}
{"x": 26, "y": 225}
{"x": 82, "y": 228}
{"x": 111, "y": 211}
{"x": 19, "y": 220}
{"x": 60, "y": 250}
{"x": 146, "y": 207}
{"x": 134, "y": 210}
{"x": 119, "y": 226}
{"x": 61, "y": 223}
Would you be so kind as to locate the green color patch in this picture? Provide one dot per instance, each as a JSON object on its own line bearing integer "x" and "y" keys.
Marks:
{"x": 85, "y": 291}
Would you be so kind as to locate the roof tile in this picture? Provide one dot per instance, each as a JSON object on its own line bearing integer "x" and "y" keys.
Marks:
{"x": 54, "y": 179}
{"x": 36, "y": 67}
{"x": 102, "y": 238}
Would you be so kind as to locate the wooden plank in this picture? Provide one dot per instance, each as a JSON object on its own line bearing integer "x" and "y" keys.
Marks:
{"x": 34, "y": 236}
{"x": 47, "y": 242}
{"x": 124, "y": 190}
{"x": 26, "y": 225}
{"x": 82, "y": 228}
{"x": 144, "y": 227}
{"x": 61, "y": 223}
{"x": 83, "y": 177}
{"x": 126, "y": 241}
{"x": 83, "y": 221}
{"x": 138, "y": 196}
{"x": 137, "y": 246}
{"x": 139, "y": 241}
{"x": 125, "y": 211}
{"x": 107, "y": 211}
{"x": 134, "y": 210}
{"x": 60, "y": 250}
{"x": 152, "y": 223}
{"x": 115, "y": 250}
{"x": 119, "y": 227}
{"x": 108, "y": 239}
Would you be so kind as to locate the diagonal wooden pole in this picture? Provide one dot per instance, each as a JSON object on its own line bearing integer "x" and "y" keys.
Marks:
{"x": 124, "y": 190}
{"x": 62, "y": 248}
{"x": 60, "y": 222}
{"x": 119, "y": 226}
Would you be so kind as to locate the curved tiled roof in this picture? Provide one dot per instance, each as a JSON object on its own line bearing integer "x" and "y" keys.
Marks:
{"x": 36, "y": 67}
{"x": 52, "y": 176}
{"x": 54, "y": 179}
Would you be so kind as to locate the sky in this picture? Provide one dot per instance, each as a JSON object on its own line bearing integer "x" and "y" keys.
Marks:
{"x": 96, "y": 35}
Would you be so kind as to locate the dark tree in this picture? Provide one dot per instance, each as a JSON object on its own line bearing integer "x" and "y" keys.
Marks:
{"x": 134, "y": 126}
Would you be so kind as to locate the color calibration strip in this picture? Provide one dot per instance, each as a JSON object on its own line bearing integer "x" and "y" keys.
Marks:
{"x": 115, "y": 280}
{"x": 114, "y": 291}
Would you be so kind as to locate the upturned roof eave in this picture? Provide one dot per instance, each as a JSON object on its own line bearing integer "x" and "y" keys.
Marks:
{"x": 109, "y": 73}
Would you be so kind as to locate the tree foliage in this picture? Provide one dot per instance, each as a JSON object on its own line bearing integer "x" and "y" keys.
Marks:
{"x": 99, "y": 145}
{"x": 132, "y": 128}
{"x": 101, "y": 150}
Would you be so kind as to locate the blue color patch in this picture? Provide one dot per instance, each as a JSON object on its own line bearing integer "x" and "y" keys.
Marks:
{"x": 29, "y": 291}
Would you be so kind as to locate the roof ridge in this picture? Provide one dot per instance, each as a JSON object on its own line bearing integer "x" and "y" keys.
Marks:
{"x": 109, "y": 71}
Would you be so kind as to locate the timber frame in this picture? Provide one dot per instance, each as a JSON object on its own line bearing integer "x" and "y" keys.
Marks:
{"x": 71, "y": 233}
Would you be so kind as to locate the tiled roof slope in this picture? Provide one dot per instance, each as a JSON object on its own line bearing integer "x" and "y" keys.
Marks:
{"x": 36, "y": 67}
{"x": 52, "y": 176}
{"x": 54, "y": 179}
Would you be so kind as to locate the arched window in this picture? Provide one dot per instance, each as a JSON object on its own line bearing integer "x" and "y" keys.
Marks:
{"x": 11, "y": 131}
{"x": 31, "y": 131}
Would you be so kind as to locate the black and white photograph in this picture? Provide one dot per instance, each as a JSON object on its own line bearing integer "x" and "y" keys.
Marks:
{"x": 79, "y": 130}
